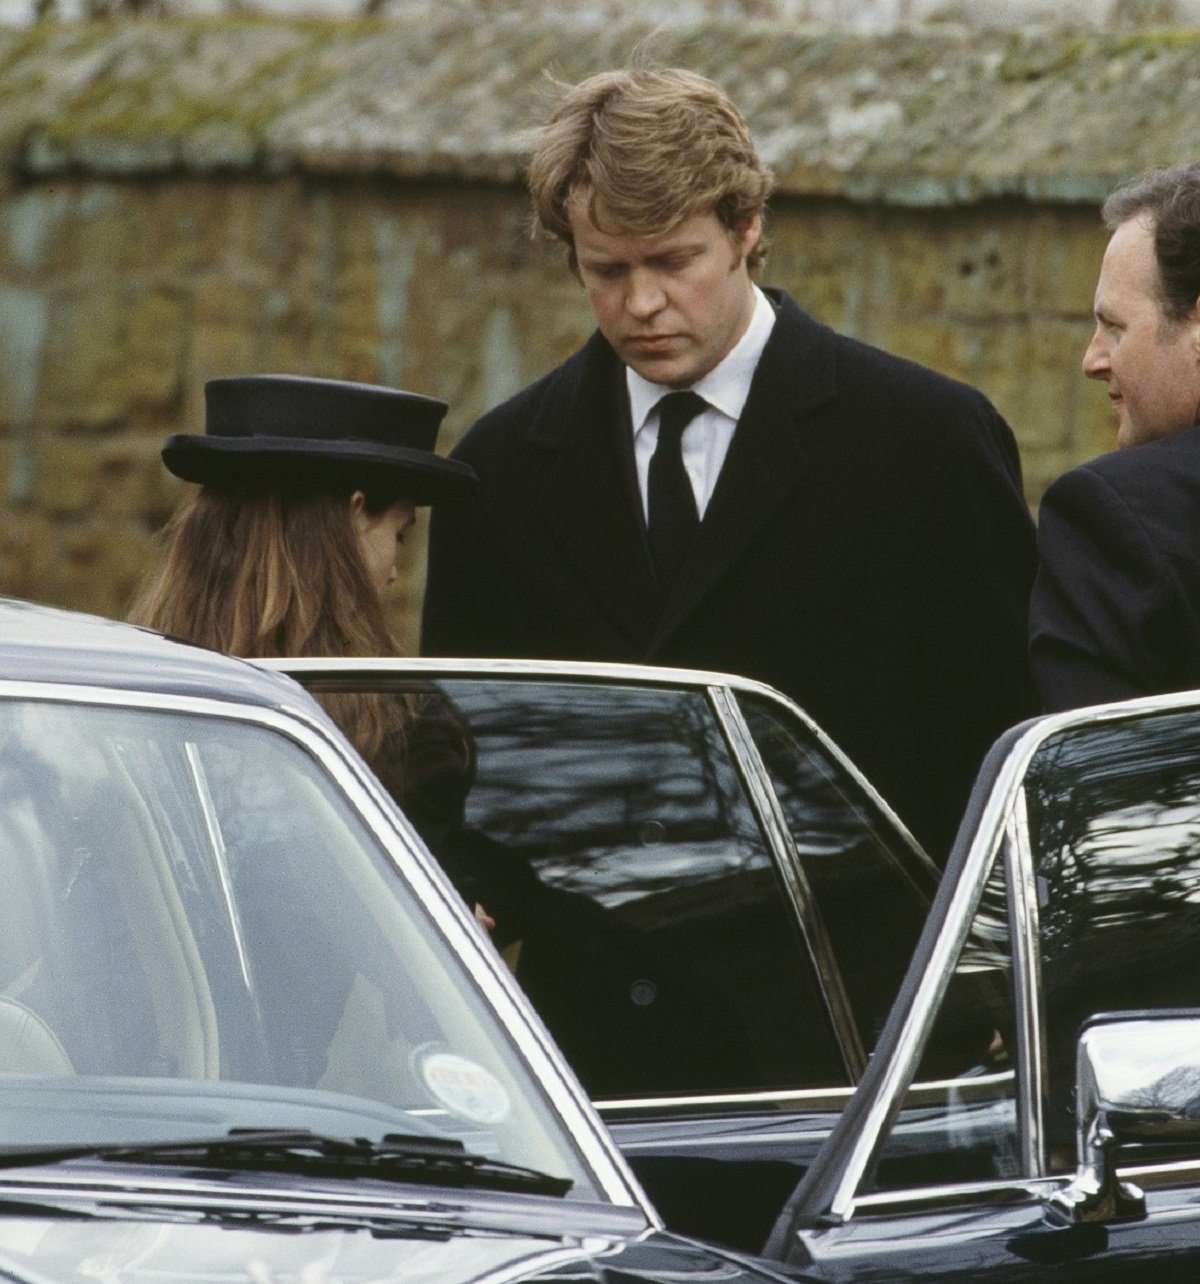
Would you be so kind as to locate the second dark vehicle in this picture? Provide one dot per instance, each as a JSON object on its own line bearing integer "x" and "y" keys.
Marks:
{"x": 802, "y": 1042}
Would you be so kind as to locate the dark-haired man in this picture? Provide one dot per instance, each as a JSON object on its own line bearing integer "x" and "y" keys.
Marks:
{"x": 1116, "y": 603}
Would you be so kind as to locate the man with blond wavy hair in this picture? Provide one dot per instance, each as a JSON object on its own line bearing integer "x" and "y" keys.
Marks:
{"x": 717, "y": 480}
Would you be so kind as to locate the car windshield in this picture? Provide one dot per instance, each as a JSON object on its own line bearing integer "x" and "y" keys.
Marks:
{"x": 198, "y": 933}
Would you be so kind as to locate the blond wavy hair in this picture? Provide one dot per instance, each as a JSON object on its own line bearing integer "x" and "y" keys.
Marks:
{"x": 653, "y": 147}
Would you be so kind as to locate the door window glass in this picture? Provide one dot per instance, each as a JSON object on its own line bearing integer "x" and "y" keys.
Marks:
{"x": 1114, "y": 828}
{"x": 605, "y": 830}
{"x": 198, "y": 931}
{"x": 870, "y": 890}
{"x": 959, "y": 1119}
{"x": 1114, "y": 818}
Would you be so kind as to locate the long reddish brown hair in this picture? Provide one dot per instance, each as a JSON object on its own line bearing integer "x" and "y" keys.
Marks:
{"x": 276, "y": 572}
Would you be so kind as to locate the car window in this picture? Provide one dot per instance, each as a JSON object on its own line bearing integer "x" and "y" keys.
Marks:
{"x": 1114, "y": 826}
{"x": 605, "y": 829}
{"x": 958, "y": 1122}
{"x": 195, "y": 917}
{"x": 871, "y": 890}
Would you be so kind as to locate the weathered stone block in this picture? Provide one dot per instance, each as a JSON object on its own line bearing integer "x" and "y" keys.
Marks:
{"x": 1066, "y": 252}
{"x": 113, "y": 356}
{"x": 821, "y": 253}
{"x": 100, "y": 566}
{"x": 121, "y": 479}
{"x": 28, "y": 541}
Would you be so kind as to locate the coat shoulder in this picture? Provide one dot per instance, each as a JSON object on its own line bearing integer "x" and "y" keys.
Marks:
{"x": 906, "y": 385}
{"x": 881, "y": 384}
{"x": 1176, "y": 455}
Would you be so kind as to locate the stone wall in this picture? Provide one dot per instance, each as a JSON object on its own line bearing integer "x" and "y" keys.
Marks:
{"x": 134, "y": 264}
{"x": 119, "y": 299}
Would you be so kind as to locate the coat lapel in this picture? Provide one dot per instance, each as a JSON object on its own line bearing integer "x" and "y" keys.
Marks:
{"x": 589, "y": 495}
{"x": 766, "y": 459}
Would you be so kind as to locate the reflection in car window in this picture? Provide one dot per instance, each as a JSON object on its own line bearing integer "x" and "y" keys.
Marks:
{"x": 1114, "y": 818}
{"x": 871, "y": 894}
{"x": 959, "y": 1120}
{"x": 606, "y": 832}
{"x": 194, "y": 915}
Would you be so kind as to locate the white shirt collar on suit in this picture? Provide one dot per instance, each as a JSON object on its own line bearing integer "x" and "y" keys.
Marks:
{"x": 725, "y": 388}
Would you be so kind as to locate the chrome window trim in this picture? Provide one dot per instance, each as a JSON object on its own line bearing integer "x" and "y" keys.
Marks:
{"x": 899, "y": 1202}
{"x": 216, "y": 841}
{"x": 1159, "y": 1176}
{"x": 806, "y": 915}
{"x": 575, "y": 670}
{"x": 1023, "y": 926}
{"x": 400, "y": 844}
{"x": 1164, "y": 1175}
{"x": 902, "y": 1065}
{"x": 989, "y": 833}
{"x": 811, "y": 1098}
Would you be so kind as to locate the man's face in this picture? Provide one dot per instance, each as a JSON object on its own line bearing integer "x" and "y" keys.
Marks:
{"x": 672, "y": 306}
{"x": 1150, "y": 362}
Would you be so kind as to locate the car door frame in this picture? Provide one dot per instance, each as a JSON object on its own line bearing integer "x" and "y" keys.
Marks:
{"x": 835, "y": 1228}
{"x": 720, "y": 691}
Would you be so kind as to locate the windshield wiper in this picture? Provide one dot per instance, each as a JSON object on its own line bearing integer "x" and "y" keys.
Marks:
{"x": 441, "y": 1161}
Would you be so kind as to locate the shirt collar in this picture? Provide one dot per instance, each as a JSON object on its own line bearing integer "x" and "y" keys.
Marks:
{"x": 727, "y": 384}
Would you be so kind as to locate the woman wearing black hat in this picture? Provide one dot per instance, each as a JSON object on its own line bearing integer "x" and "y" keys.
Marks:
{"x": 306, "y": 486}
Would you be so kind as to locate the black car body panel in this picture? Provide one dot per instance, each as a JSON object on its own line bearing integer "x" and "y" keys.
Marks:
{"x": 248, "y": 1030}
{"x": 953, "y": 1150}
{"x": 716, "y": 907}
{"x": 1074, "y": 874}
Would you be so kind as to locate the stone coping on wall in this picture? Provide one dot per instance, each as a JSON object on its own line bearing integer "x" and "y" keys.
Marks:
{"x": 921, "y": 118}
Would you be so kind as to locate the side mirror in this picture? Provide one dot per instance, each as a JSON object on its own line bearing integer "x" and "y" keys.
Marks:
{"x": 1137, "y": 1085}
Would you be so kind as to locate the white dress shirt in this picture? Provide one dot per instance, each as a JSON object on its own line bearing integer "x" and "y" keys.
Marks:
{"x": 706, "y": 439}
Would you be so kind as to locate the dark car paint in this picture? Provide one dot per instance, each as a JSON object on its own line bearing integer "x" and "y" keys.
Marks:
{"x": 745, "y": 1161}
{"x": 729, "y": 1174}
{"x": 1001, "y": 1232}
{"x": 1006, "y": 1236}
{"x": 83, "y": 1220}
{"x": 721, "y": 1170}
{"x": 997, "y": 1232}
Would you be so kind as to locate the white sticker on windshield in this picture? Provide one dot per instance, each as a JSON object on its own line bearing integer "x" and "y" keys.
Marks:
{"x": 465, "y": 1088}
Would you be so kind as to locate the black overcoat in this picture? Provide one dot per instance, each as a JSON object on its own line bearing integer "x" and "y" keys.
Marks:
{"x": 1116, "y": 603}
{"x": 867, "y": 551}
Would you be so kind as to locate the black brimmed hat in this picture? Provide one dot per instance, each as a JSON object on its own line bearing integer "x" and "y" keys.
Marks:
{"x": 260, "y": 429}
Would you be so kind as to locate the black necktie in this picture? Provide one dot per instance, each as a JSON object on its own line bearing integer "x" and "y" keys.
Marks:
{"x": 673, "y": 517}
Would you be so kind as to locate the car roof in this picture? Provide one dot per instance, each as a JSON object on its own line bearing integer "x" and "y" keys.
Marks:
{"x": 48, "y": 644}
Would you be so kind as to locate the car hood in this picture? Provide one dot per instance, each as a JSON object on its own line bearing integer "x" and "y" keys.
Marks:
{"x": 41, "y": 1250}
{"x": 63, "y": 1227}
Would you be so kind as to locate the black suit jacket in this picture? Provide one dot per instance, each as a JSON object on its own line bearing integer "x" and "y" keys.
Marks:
{"x": 1116, "y": 603}
{"x": 867, "y": 550}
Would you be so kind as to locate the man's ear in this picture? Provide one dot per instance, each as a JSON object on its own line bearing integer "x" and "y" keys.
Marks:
{"x": 752, "y": 234}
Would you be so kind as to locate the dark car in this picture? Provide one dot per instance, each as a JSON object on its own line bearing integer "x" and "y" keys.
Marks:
{"x": 248, "y": 1029}
{"x": 709, "y": 907}
{"x": 791, "y": 1035}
